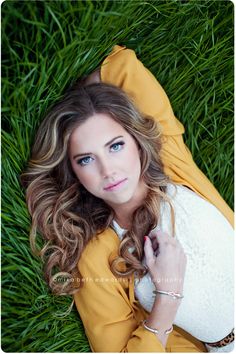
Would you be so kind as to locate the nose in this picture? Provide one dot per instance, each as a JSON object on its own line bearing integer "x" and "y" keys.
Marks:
{"x": 107, "y": 169}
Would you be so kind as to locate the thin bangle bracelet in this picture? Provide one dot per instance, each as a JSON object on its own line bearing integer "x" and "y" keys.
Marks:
{"x": 154, "y": 330}
{"x": 175, "y": 296}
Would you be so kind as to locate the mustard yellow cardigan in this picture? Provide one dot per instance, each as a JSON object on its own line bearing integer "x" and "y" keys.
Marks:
{"x": 110, "y": 313}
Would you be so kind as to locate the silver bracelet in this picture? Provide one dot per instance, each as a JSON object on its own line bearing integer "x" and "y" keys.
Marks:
{"x": 154, "y": 330}
{"x": 175, "y": 296}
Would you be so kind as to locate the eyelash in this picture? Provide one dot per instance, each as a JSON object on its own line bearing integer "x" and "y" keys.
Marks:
{"x": 80, "y": 162}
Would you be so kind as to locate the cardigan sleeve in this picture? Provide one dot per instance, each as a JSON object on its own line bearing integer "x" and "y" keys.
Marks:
{"x": 122, "y": 68}
{"x": 104, "y": 305}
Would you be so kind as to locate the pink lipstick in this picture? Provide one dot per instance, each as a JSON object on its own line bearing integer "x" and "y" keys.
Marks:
{"x": 115, "y": 186}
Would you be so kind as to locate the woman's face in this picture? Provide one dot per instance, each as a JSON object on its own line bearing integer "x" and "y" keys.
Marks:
{"x": 106, "y": 160}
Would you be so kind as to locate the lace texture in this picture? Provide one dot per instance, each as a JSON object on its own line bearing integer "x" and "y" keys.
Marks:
{"x": 206, "y": 311}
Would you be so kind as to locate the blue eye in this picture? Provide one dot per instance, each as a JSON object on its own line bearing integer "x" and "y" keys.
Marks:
{"x": 84, "y": 161}
{"x": 117, "y": 146}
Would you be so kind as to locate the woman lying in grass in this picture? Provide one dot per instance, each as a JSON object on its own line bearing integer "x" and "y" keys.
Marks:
{"x": 133, "y": 229}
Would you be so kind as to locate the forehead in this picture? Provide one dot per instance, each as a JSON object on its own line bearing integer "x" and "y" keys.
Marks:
{"x": 95, "y": 131}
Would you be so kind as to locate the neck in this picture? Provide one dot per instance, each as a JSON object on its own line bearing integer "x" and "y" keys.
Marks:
{"x": 124, "y": 224}
{"x": 124, "y": 212}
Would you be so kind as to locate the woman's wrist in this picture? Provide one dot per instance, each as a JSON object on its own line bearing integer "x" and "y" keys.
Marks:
{"x": 174, "y": 286}
{"x": 172, "y": 294}
{"x": 163, "y": 312}
{"x": 155, "y": 330}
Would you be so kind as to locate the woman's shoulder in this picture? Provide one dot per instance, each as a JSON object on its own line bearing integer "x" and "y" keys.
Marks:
{"x": 100, "y": 249}
{"x": 104, "y": 242}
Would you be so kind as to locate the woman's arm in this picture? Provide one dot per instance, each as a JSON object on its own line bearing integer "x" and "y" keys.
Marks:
{"x": 110, "y": 313}
{"x": 104, "y": 306}
{"x": 123, "y": 69}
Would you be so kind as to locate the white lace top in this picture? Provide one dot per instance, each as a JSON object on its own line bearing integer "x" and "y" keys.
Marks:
{"x": 206, "y": 311}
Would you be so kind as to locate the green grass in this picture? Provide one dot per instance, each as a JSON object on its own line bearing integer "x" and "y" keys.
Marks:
{"x": 46, "y": 45}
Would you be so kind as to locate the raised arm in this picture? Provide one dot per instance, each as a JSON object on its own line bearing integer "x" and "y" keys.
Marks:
{"x": 123, "y": 69}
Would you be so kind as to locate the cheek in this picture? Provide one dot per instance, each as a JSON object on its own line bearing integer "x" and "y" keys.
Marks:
{"x": 135, "y": 157}
{"x": 86, "y": 179}
{"x": 134, "y": 160}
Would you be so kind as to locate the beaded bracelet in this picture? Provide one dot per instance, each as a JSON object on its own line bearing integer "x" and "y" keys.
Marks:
{"x": 175, "y": 296}
{"x": 154, "y": 330}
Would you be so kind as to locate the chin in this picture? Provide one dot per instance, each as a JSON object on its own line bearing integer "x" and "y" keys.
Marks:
{"x": 121, "y": 199}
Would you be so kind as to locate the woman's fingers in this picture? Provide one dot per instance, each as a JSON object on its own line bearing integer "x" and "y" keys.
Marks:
{"x": 157, "y": 237}
{"x": 158, "y": 234}
{"x": 148, "y": 250}
{"x": 168, "y": 263}
{"x": 161, "y": 237}
{"x": 153, "y": 239}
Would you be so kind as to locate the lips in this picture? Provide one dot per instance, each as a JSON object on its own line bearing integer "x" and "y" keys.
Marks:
{"x": 110, "y": 186}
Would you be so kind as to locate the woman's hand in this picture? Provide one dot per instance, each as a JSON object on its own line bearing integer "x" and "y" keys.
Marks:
{"x": 166, "y": 261}
{"x": 93, "y": 78}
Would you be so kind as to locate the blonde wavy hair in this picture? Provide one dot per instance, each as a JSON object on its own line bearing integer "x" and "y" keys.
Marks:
{"x": 63, "y": 211}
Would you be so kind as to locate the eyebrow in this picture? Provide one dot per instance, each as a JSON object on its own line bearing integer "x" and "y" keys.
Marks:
{"x": 90, "y": 153}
